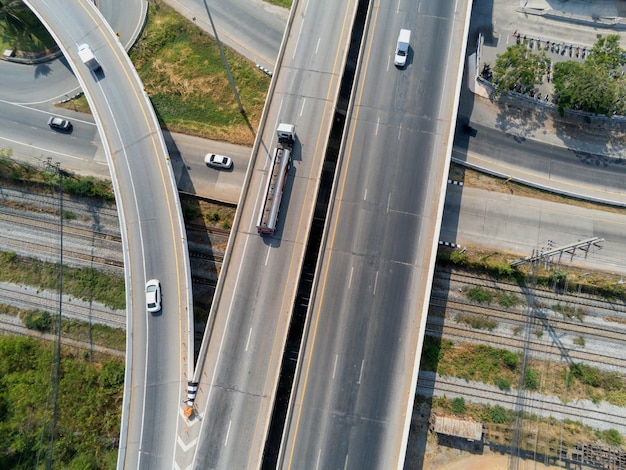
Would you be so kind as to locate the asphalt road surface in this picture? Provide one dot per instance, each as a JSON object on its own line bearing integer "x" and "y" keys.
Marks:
{"x": 152, "y": 233}
{"x": 252, "y": 308}
{"x": 353, "y": 389}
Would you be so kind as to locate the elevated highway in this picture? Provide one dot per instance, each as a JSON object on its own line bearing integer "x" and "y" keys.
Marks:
{"x": 157, "y": 361}
{"x": 250, "y": 316}
{"x": 356, "y": 378}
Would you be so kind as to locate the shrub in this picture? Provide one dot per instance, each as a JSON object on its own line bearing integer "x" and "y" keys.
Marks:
{"x": 37, "y": 320}
{"x": 458, "y": 405}
{"x": 478, "y": 322}
{"x": 531, "y": 378}
{"x": 510, "y": 359}
{"x": 480, "y": 295}
{"x": 497, "y": 415}
{"x": 612, "y": 437}
{"x": 507, "y": 299}
{"x": 458, "y": 257}
{"x": 503, "y": 384}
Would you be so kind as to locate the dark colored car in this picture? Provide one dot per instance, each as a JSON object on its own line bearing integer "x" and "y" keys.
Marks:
{"x": 59, "y": 123}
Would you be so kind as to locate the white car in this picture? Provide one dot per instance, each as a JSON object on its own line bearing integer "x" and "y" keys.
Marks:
{"x": 153, "y": 295}
{"x": 218, "y": 161}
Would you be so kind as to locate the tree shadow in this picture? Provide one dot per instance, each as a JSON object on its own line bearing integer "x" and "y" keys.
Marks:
{"x": 520, "y": 117}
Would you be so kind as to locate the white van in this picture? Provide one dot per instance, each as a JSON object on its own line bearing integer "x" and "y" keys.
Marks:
{"x": 402, "y": 47}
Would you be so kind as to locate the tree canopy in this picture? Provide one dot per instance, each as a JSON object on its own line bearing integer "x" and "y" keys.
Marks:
{"x": 595, "y": 85}
{"x": 519, "y": 66}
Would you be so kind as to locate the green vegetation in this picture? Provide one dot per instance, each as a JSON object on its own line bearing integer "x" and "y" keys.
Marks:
{"x": 498, "y": 415}
{"x": 595, "y": 85}
{"x": 280, "y": 3}
{"x": 480, "y": 295}
{"x": 520, "y": 67}
{"x": 500, "y": 367}
{"x": 82, "y": 283}
{"x": 611, "y": 436}
{"x": 22, "y": 32}
{"x": 602, "y": 70}
{"x": 531, "y": 379}
{"x": 477, "y": 362}
{"x": 114, "y": 338}
{"x": 569, "y": 312}
{"x": 503, "y": 384}
{"x": 580, "y": 341}
{"x": 182, "y": 71}
{"x": 507, "y": 299}
{"x": 458, "y": 405}
{"x": 37, "y": 320}
{"x": 47, "y": 180}
{"x": 89, "y": 407}
{"x": 478, "y": 322}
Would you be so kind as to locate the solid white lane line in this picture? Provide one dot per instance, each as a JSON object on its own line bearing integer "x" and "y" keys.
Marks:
{"x": 302, "y": 109}
{"x": 361, "y": 372}
{"x": 267, "y": 257}
{"x": 350, "y": 281}
{"x": 319, "y": 454}
{"x": 375, "y": 283}
{"x": 227, "y": 433}
{"x": 248, "y": 342}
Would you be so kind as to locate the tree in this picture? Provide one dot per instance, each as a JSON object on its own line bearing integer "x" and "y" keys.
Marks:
{"x": 595, "y": 86}
{"x": 586, "y": 87}
{"x": 519, "y": 66}
{"x": 607, "y": 52}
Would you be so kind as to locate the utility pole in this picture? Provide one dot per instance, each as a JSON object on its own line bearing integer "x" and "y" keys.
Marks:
{"x": 219, "y": 45}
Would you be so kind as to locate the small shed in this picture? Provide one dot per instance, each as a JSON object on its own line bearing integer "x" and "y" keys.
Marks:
{"x": 451, "y": 426}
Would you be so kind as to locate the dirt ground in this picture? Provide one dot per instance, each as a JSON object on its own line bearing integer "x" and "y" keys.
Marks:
{"x": 489, "y": 461}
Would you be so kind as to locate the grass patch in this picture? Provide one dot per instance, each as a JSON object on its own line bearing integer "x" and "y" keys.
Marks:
{"x": 507, "y": 299}
{"x": 580, "y": 341}
{"x": 478, "y": 322}
{"x": 611, "y": 436}
{"x": 89, "y": 405}
{"x": 182, "y": 71}
{"x": 114, "y": 338}
{"x": 480, "y": 295}
{"x": 82, "y": 283}
{"x": 280, "y": 3}
{"x": 40, "y": 180}
{"x": 569, "y": 312}
{"x": 22, "y": 32}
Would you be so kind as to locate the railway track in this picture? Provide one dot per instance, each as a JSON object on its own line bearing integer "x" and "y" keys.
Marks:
{"x": 539, "y": 348}
{"x": 535, "y": 402}
{"x": 613, "y": 332}
{"x": 7, "y": 327}
{"x": 539, "y": 294}
{"x": 75, "y": 310}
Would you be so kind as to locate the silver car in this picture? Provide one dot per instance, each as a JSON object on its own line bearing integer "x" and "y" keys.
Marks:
{"x": 218, "y": 161}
